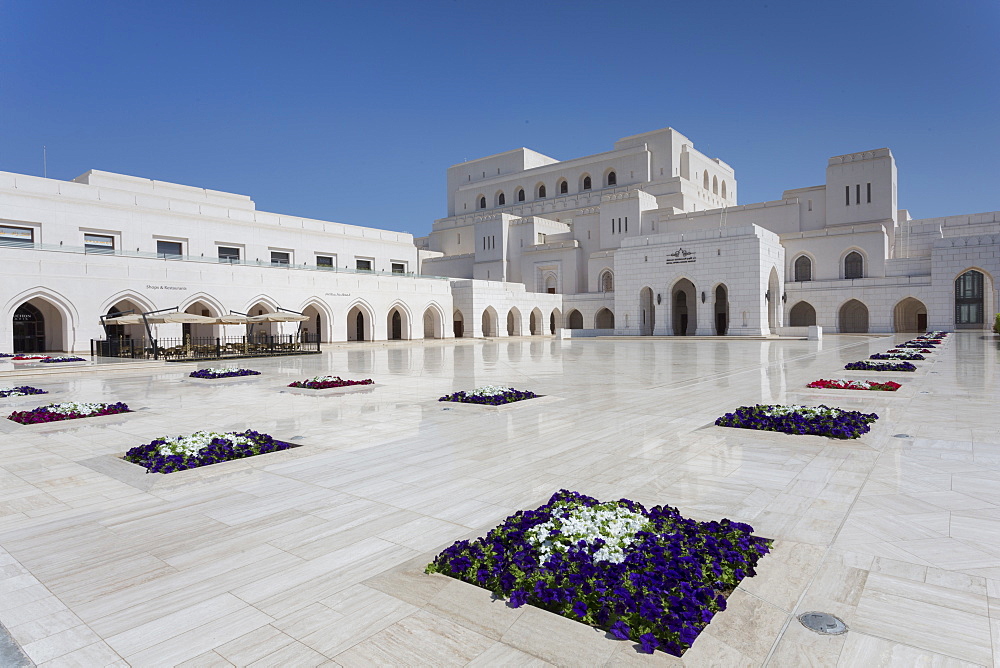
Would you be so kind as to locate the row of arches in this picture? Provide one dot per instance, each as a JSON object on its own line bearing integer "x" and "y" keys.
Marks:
{"x": 538, "y": 324}
{"x": 562, "y": 188}
{"x": 908, "y": 315}
{"x": 683, "y": 309}
{"x": 852, "y": 265}
{"x": 715, "y": 185}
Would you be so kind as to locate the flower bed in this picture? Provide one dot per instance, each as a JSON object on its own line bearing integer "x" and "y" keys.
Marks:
{"x": 231, "y": 372}
{"x": 818, "y": 421}
{"x": 651, "y": 576}
{"x": 22, "y": 391}
{"x": 898, "y": 355}
{"x": 54, "y": 360}
{"x": 880, "y": 365}
{"x": 843, "y": 384}
{"x": 67, "y": 411}
{"x": 922, "y": 351}
{"x": 327, "y": 382}
{"x": 490, "y": 395}
{"x": 179, "y": 453}
{"x": 2, "y": 355}
{"x": 29, "y": 358}
{"x": 916, "y": 344}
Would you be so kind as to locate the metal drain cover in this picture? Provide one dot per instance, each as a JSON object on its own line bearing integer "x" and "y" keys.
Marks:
{"x": 823, "y": 623}
{"x": 901, "y": 436}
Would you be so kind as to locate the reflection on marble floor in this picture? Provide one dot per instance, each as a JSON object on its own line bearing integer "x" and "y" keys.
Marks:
{"x": 312, "y": 557}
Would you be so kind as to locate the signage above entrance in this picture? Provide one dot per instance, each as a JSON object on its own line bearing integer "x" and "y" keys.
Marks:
{"x": 681, "y": 256}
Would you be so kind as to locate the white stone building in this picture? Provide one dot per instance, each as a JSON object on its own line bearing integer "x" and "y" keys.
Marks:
{"x": 645, "y": 239}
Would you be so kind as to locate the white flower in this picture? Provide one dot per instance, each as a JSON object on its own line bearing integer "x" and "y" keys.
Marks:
{"x": 808, "y": 411}
{"x": 12, "y": 392}
{"x": 615, "y": 524}
{"x": 76, "y": 407}
{"x": 489, "y": 391}
{"x": 220, "y": 371}
{"x": 191, "y": 445}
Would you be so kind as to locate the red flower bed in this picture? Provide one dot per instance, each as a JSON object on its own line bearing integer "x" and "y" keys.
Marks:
{"x": 841, "y": 384}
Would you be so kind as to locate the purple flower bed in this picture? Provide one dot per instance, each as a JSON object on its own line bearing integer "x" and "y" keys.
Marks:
{"x": 865, "y": 365}
{"x": 56, "y": 360}
{"x": 659, "y": 585}
{"x": 167, "y": 454}
{"x": 506, "y": 396}
{"x": 818, "y": 421}
{"x": 916, "y": 344}
{"x": 44, "y": 414}
{"x": 910, "y": 357}
{"x": 327, "y": 382}
{"x": 222, "y": 373}
{"x": 6, "y": 355}
{"x": 21, "y": 391}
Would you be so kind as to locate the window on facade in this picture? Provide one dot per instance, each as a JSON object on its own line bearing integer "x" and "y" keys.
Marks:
{"x": 16, "y": 236}
{"x": 869, "y": 193}
{"x": 803, "y": 268}
{"x": 169, "y": 248}
{"x": 501, "y": 200}
{"x": 969, "y": 298}
{"x": 704, "y": 182}
{"x": 857, "y": 191}
{"x": 612, "y": 179}
{"x": 280, "y": 257}
{"x": 541, "y": 191}
{"x": 715, "y": 185}
{"x": 520, "y": 194}
{"x": 482, "y": 202}
{"x": 563, "y": 188}
{"x": 363, "y": 265}
{"x": 229, "y": 254}
{"x": 324, "y": 261}
{"x": 847, "y": 195}
{"x": 586, "y": 183}
{"x": 399, "y": 267}
{"x": 854, "y": 265}
{"x": 98, "y": 243}
{"x": 723, "y": 190}
{"x": 607, "y": 282}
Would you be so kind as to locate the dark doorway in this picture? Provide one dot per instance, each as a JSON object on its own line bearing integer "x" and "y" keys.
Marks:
{"x": 359, "y": 324}
{"x": 29, "y": 330}
{"x": 397, "y": 326}
{"x": 720, "y": 324}
{"x": 922, "y": 322}
{"x": 459, "y": 328}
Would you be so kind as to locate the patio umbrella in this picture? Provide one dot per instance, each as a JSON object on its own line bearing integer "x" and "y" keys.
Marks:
{"x": 131, "y": 319}
{"x": 232, "y": 319}
{"x": 278, "y": 317}
{"x": 194, "y": 319}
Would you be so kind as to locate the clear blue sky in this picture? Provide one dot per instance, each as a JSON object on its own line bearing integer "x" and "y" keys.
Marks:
{"x": 352, "y": 111}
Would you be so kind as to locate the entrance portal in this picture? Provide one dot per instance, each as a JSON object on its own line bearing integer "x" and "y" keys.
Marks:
{"x": 29, "y": 329}
{"x": 647, "y": 312}
{"x": 685, "y": 307}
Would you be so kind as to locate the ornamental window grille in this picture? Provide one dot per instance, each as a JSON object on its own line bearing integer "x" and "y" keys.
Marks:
{"x": 612, "y": 179}
{"x": 586, "y": 183}
{"x": 854, "y": 265}
{"x": 803, "y": 268}
{"x": 969, "y": 298}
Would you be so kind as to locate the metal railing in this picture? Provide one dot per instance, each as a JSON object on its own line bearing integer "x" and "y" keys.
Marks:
{"x": 169, "y": 257}
{"x": 190, "y": 348}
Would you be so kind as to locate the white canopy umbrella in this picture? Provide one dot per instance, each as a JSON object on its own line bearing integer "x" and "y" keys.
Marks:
{"x": 278, "y": 317}
{"x": 232, "y": 319}
{"x": 130, "y": 319}
{"x": 192, "y": 318}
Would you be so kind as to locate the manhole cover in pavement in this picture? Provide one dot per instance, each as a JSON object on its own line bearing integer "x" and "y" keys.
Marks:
{"x": 823, "y": 622}
{"x": 901, "y": 436}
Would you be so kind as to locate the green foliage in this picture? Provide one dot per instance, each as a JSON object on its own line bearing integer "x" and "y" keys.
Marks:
{"x": 996, "y": 324}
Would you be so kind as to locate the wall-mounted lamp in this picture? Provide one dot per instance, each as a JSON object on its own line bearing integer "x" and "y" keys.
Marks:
{"x": 784, "y": 297}
{"x": 657, "y": 298}
{"x": 767, "y": 295}
{"x": 702, "y": 296}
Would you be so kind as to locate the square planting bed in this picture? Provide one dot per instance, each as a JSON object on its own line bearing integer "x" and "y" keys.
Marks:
{"x": 230, "y": 373}
{"x": 490, "y": 395}
{"x": 899, "y": 355}
{"x": 168, "y": 454}
{"x": 845, "y": 384}
{"x": 651, "y": 576}
{"x": 881, "y": 365}
{"x": 329, "y": 385}
{"x": 67, "y": 411}
{"x": 20, "y": 391}
{"x": 804, "y": 420}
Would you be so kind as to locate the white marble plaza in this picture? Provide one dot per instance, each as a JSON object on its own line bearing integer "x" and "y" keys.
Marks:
{"x": 314, "y": 556}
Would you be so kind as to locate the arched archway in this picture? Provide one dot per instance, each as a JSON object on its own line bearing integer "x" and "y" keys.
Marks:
{"x": 458, "y": 322}
{"x": 359, "y": 323}
{"x": 853, "y": 318}
{"x": 684, "y": 302}
{"x": 973, "y": 299}
{"x": 574, "y": 320}
{"x": 605, "y": 319}
{"x": 320, "y": 322}
{"x": 773, "y": 301}
{"x": 490, "y": 322}
{"x": 120, "y": 333}
{"x": 535, "y": 322}
{"x": 647, "y": 312}
{"x": 433, "y": 323}
{"x": 513, "y": 322}
{"x": 802, "y": 315}
{"x": 397, "y": 323}
{"x": 198, "y": 332}
{"x": 909, "y": 315}
{"x": 39, "y": 326}
{"x": 721, "y": 310}
{"x": 555, "y": 320}
{"x": 550, "y": 284}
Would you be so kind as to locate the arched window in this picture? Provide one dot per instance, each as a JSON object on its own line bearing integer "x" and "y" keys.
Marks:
{"x": 520, "y": 194}
{"x": 803, "y": 268}
{"x": 704, "y": 181}
{"x": 969, "y": 298}
{"x": 607, "y": 282}
{"x": 612, "y": 179}
{"x": 586, "y": 183}
{"x": 482, "y": 202}
{"x": 563, "y": 187}
{"x": 541, "y": 191}
{"x": 501, "y": 200}
{"x": 715, "y": 185}
{"x": 854, "y": 265}
{"x": 723, "y": 190}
